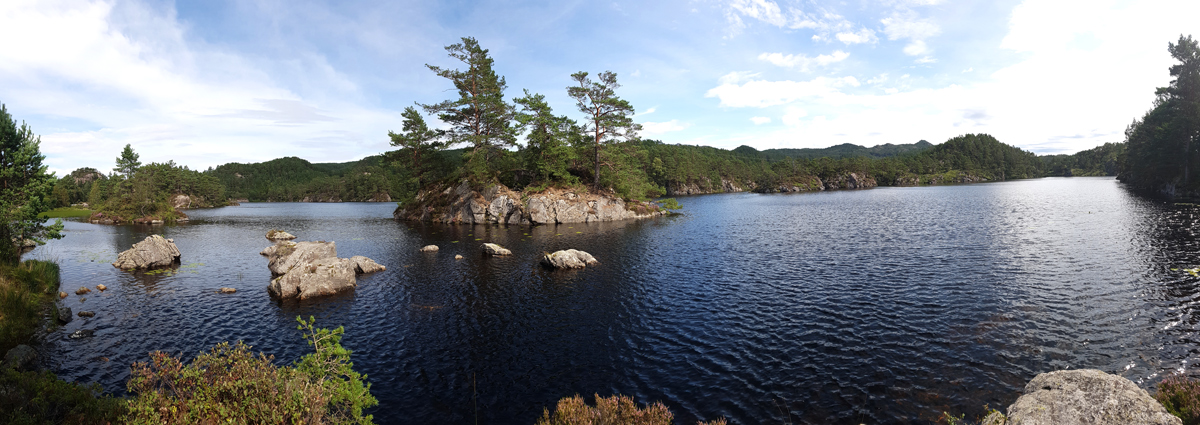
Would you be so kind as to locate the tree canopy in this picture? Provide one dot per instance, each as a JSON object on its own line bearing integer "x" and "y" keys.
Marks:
{"x": 25, "y": 189}
{"x": 1160, "y": 147}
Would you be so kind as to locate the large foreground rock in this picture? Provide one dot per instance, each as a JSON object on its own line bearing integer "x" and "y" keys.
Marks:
{"x": 1085, "y": 396}
{"x": 153, "y": 252}
{"x": 284, "y": 256}
{"x": 569, "y": 259}
{"x": 325, "y": 276}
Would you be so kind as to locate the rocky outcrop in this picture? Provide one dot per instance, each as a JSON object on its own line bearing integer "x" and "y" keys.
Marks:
{"x": 21, "y": 357}
{"x": 153, "y": 252}
{"x": 181, "y": 201}
{"x": 1084, "y": 396}
{"x": 498, "y": 204}
{"x": 705, "y": 186}
{"x": 849, "y": 181}
{"x": 429, "y": 248}
{"x": 279, "y": 235}
{"x": 496, "y": 250}
{"x": 324, "y": 276}
{"x": 952, "y": 177}
{"x": 569, "y": 259}
{"x": 284, "y": 256}
{"x": 305, "y": 270}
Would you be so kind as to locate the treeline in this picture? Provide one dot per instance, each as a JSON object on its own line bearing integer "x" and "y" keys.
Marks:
{"x": 1160, "y": 146}
{"x": 293, "y": 179}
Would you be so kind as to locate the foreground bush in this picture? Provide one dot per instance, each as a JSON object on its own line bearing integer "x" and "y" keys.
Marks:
{"x": 41, "y": 398}
{"x": 614, "y": 410}
{"x": 230, "y": 384}
{"x": 1181, "y": 397}
{"x": 25, "y": 291}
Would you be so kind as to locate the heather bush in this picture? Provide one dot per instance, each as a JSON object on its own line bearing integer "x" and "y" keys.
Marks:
{"x": 230, "y": 384}
{"x": 614, "y": 410}
{"x": 1181, "y": 397}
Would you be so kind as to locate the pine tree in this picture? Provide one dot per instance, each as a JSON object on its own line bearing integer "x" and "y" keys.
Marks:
{"x": 609, "y": 118}
{"x": 546, "y": 150}
{"x": 417, "y": 142}
{"x": 25, "y": 189}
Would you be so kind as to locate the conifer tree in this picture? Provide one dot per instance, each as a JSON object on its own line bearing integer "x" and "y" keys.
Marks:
{"x": 25, "y": 189}
{"x": 608, "y": 117}
{"x": 416, "y": 142}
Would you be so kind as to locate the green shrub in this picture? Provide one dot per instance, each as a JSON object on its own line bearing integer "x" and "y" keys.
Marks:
{"x": 1181, "y": 397}
{"x": 617, "y": 409}
{"x": 670, "y": 204}
{"x": 232, "y": 385}
{"x": 42, "y": 398}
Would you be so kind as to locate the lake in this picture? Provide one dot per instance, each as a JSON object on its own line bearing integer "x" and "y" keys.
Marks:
{"x": 888, "y": 305}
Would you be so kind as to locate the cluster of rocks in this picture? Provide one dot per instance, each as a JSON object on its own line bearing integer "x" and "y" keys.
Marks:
{"x": 814, "y": 183}
{"x": 304, "y": 270}
{"x": 498, "y": 204}
{"x": 565, "y": 259}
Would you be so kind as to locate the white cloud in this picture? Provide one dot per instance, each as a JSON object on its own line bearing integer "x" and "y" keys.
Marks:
{"x": 865, "y": 35}
{"x": 906, "y": 24}
{"x": 968, "y": 70}
{"x": 793, "y": 115}
{"x": 761, "y": 93}
{"x": 763, "y": 10}
{"x": 878, "y": 80}
{"x": 925, "y": 59}
{"x": 916, "y": 48}
{"x": 658, "y": 128}
{"x": 760, "y": 120}
{"x": 803, "y": 62}
{"x": 123, "y": 73}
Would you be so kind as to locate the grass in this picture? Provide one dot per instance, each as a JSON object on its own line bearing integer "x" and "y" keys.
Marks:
{"x": 26, "y": 290}
{"x": 65, "y": 212}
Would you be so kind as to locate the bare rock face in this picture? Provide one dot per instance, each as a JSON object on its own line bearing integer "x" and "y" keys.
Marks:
{"x": 500, "y": 205}
{"x": 181, "y": 201}
{"x": 493, "y": 249}
{"x": 325, "y": 276}
{"x": 429, "y": 248}
{"x": 1085, "y": 396}
{"x": 284, "y": 256}
{"x": 279, "y": 235}
{"x": 569, "y": 259}
{"x": 153, "y": 252}
{"x": 363, "y": 265}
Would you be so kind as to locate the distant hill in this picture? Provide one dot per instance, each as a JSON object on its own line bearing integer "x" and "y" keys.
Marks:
{"x": 845, "y": 150}
{"x": 293, "y": 179}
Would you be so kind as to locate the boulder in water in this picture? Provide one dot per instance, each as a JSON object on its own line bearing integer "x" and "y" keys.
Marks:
{"x": 226, "y": 291}
{"x": 64, "y": 315}
{"x": 365, "y": 265}
{"x": 325, "y": 276}
{"x": 493, "y": 249}
{"x": 87, "y": 314}
{"x": 429, "y": 248}
{"x": 82, "y": 290}
{"x": 153, "y": 252}
{"x": 82, "y": 333}
{"x": 279, "y": 235}
{"x": 283, "y": 256}
{"x": 569, "y": 259}
{"x": 1085, "y": 396}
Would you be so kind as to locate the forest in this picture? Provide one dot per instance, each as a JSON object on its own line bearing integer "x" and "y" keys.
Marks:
{"x": 1160, "y": 146}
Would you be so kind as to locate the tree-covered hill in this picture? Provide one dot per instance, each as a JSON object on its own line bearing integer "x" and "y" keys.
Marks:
{"x": 845, "y": 150}
{"x": 293, "y": 179}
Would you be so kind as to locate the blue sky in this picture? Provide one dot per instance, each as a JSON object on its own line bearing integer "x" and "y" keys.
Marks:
{"x": 209, "y": 82}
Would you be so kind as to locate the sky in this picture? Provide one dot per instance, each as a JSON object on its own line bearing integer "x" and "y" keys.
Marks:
{"x": 209, "y": 82}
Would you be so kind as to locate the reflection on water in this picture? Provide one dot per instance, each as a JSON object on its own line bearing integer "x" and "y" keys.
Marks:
{"x": 885, "y": 305}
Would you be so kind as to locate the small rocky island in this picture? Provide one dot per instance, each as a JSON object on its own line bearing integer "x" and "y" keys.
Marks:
{"x": 498, "y": 204}
{"x": 304, "y": 270}
{"x": 152, "y": 253}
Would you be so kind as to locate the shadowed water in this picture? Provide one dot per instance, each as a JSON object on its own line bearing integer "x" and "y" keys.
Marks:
{"x": 889, "y": 305}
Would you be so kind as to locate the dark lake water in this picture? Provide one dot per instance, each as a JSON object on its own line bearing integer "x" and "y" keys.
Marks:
{"x": 888, "y": 305}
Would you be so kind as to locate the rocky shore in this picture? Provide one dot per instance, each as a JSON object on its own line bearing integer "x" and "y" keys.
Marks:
{"x": 498, "y": 204}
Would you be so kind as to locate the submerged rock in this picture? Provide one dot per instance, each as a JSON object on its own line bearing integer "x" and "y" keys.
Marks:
{"x": 87, "y": 314}
{"x": 82, "y": 333}
{"x": 569, "y": 259}
{"x": 283, "y": 256}
{"x": 325, "y": 276}
{"x": 1085, "y": 396}
{"x": 226, "y": 291}
{"x": 153, "y": 252}
{"x": 62, "y": 294}
{"x": 429, "y": 248}
{"x": 21, "y": 357}
{"x": 493, "y": 249}
{"x": 279, "y": 235}
{"x": 457, "y": 257}
{"x": 64, "y": 315}
{"x": 82, "y": 290}
{"x": 101, "y": 287}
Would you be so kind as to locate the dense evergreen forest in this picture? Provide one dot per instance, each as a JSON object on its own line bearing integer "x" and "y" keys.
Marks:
{"x": 1160, "y": 146}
